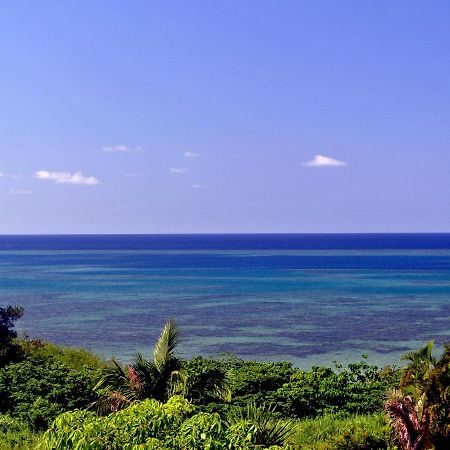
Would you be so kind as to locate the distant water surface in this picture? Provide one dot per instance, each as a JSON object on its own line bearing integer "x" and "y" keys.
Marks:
{"x": 309, "y": 299}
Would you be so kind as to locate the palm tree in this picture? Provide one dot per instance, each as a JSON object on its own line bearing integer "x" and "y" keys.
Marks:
{"x": 415, "y": 379}
{"x": 158, "y": 379}
{"x": 413, "y": 429}
{"x": 438, "y": 399}
{"x": 420, "y": 412}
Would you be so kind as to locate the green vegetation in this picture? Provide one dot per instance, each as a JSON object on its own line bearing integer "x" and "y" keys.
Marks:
{"x": 159, "y": 379}
{"x": 151, "y": 424}
{"x": 420, "y": 409}
{"x": 9, "y": 350}
{"x": 214, "y": 403}
{"x": 357, "y": 389}
{"x": 74, "y": 358}
{"x": 330, "y": 432}
{"x": 37, "y": 391}
{"x": 14, "y": 434}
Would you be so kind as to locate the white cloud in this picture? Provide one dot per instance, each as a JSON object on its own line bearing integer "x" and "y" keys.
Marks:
{"x": 65, "y": 177}
{"x": 324, "y": 161}
{"x": 2, "y": 174}
{"x": 120, "y": 149}
{"x": 199, "y": 186}
{"x": 177, "y": 170}
{"x": 190, "y": 154}
{"x": 20, "y": 192}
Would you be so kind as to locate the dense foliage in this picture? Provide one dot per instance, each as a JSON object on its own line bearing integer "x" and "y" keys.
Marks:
{"x": 14, "y": 434}
{"x": 420, "y": 409}
{"x": 74, "y": 358}
{"x": 357, "y": 389}
{"x": 177, "y": 425}
{"x": 38, "y": 390}
{"x": 9, "y": 350}
{"x": 150, "y": 425}
{"x": 214, "y": 403}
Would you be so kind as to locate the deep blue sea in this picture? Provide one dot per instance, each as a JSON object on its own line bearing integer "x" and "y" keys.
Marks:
{"x": 309, "y": 299}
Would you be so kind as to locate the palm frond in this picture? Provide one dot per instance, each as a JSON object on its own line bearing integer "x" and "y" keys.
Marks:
{"x": 423, "y": 354}
{"x": 113, "y": 377}
{"x": 115, "y": 388}
{"x": 146, "y": 370}
{"x": 165, "y": 345}
{"x": 111, "y": 402}
{"x": 268, "y": 430}
{"x": 413, "y": 432}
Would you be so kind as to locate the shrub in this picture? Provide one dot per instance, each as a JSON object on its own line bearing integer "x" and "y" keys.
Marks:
{"x": 38, "y": 390}
{"x": 259, "y": 425}
{"x": 149, "y": 424}
{"x": 252, "y": 377}
{"x": 74, "y": 358}
{"x": 206, "y": 380}
{"x": 357, "y": 389}
{"x": 14, "y": 434}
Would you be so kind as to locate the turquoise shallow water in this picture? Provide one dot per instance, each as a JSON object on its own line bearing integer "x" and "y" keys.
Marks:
{"x": 306, "y": 306}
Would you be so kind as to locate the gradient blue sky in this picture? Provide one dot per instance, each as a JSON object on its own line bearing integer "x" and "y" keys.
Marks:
{"x": 251, "y": 90}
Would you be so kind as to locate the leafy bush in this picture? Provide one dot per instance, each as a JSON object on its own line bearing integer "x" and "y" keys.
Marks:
{"x": 38, "y": 390}
{"x": 74, "y": 358}
{"x": 252, "y": 377}
{"x": 357, "y": 389}
{"x": 206, "y": 380}
{"x": 14, "y": 434}
{"x": 148, "y": 424}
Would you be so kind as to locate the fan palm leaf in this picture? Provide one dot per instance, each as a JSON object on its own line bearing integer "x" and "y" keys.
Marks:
{"x": 267, "y": 430}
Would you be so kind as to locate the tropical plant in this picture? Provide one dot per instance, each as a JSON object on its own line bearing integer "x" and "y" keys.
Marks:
{"x": 260, "y": 424}
{"x": 420, "y": 410}
{"x": 37, "y": 391}
{"x": 8, "y": 349}
{"x": 15, "y": 434}
{"x": 207, "y": 381}
{"x": 438, "y": 398}
{"x": 411, "y": 422}
{"x": 356, "y": 389}
{"x": 415, "y": 379}
{"x": 75, "y": 358}
{"x": 158, "y": 379}
{"x": 148, "y": 424}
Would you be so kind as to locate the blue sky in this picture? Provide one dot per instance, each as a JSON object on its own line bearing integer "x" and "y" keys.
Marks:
{"x": 201, "y": 116}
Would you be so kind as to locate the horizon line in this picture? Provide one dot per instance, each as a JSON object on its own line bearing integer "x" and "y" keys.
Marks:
{"x": 231, "y": 233}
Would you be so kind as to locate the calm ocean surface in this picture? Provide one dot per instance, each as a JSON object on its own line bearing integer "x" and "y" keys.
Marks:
{"x": 309, "y": 299}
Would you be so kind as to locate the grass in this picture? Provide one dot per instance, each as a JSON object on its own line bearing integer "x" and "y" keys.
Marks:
{"x": 332, "y": 432}
{"x": 15, "y": 435}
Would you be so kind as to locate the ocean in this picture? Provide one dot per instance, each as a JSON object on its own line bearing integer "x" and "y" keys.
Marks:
{"x": 305, "y": 298}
